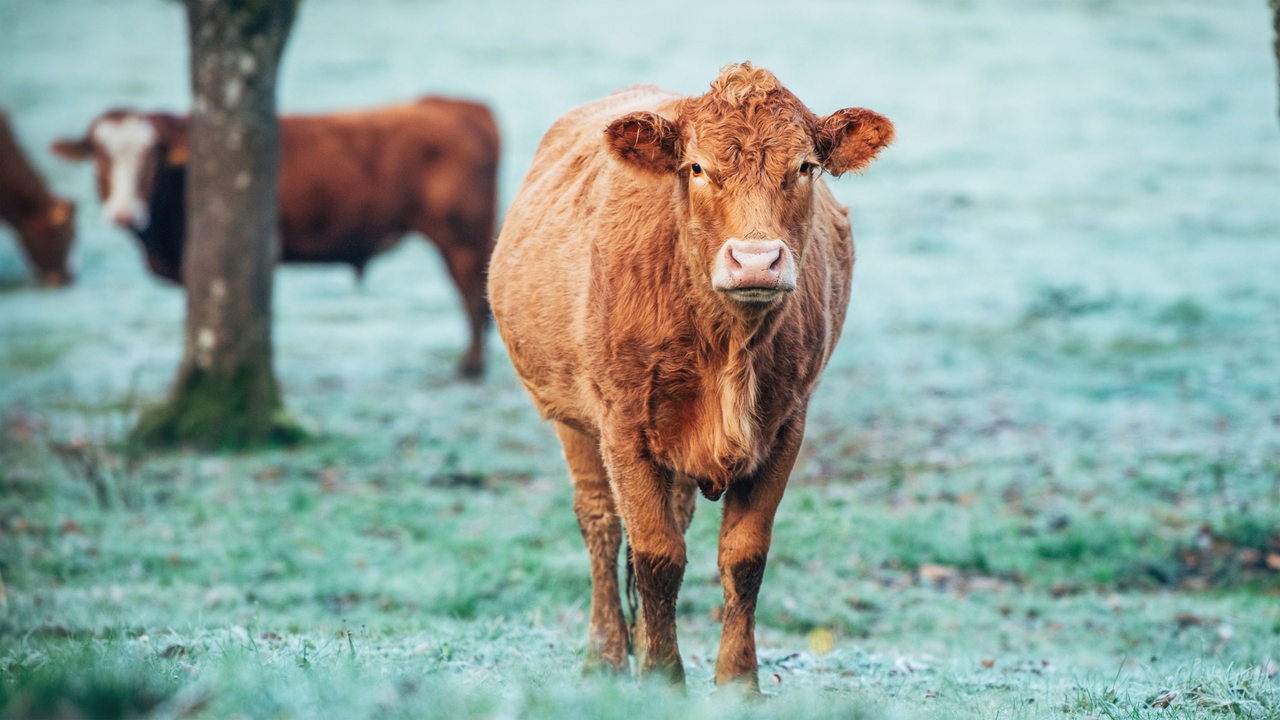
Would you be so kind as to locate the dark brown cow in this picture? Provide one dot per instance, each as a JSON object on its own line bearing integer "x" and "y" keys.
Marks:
{"x": 44, "y": 223}
{"x": 351, "y": 185}
{"x": 670, "y": 281}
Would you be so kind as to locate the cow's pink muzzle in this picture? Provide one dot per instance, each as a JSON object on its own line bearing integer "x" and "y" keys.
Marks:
{"x": 754, "y": 270}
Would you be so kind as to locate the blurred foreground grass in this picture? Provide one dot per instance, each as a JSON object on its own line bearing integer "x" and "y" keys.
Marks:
{"x": 401, "y": 575}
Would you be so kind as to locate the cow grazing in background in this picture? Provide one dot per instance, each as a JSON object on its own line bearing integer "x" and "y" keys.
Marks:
{"x": 351, "y": 185}
{"x": 44, "y": 223}
{"x": 670, "y": 281}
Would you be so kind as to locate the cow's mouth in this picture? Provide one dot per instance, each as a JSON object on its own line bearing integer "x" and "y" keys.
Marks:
{"x": 756, "y": 295}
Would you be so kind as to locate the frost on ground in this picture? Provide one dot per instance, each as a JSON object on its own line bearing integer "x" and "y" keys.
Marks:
{"x": 1052, "y": 423}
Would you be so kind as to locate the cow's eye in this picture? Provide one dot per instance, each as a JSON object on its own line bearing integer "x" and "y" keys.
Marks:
{"x": 806, "y": 169}
{"x": 695, "y": 170}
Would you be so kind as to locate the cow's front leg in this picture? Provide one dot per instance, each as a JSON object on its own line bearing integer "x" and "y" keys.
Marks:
{"x": 602, "y": 534}
{"x": 684, "y": 497}
{"x": 745, "y": 532}
{"x": 644, "y": 498}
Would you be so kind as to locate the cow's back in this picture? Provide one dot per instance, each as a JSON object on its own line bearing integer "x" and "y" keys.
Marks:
{"x": 541, "y": 268}
{"x": 352, "y": 183}
{"x": 44, "y": 223}
{"x": 22, "y": 192}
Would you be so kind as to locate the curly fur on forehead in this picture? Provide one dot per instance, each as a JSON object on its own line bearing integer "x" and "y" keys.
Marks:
{"x": 748, "y": 120}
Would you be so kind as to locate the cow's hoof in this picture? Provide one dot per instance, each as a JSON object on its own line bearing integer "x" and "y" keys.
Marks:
{"x": 746, "y": 687}
{"x": 598, "y": 664}
{"x": 471, "y": 369}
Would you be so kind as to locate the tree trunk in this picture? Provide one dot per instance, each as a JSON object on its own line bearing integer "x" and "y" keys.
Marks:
{"x": 226, "y": 395}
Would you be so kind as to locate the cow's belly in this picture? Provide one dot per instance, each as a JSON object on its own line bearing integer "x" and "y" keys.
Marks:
{"x": 543, "y": 351}
{"x": 322, "y": 238}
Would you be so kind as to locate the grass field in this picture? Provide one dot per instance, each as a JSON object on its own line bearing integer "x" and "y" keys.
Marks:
{"x": 1042, "y": 473}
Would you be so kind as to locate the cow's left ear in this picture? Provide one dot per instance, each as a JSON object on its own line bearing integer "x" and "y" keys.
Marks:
{"x": 645, "y": 140}
{"x": 850, "y": 139}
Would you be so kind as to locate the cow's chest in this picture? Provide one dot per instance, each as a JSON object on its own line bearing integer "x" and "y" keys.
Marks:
{"x": 706, "y": 425}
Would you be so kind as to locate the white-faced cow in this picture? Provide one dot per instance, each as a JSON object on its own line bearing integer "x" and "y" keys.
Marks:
{"x": 670, "y": 281}
{"x": 44, "y": 223}
{"x": 351, "y": 185}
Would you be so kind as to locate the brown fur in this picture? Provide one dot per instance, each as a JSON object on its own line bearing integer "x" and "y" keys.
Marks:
{"x": 601, "y": 287}
{"x": 351, "y": 185}
{"x": 44, "y": 223}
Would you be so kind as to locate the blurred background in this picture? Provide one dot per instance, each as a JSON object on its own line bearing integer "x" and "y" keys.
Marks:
{"x": 1040, "y": 144}
{"x": 1059, "y": 158}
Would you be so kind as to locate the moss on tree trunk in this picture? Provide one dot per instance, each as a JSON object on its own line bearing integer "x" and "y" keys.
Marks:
{"x": 220, "y": 411}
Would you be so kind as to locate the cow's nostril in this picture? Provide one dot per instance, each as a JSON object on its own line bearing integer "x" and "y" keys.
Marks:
{"x": 755, "y": 258}
{"x": 734, "y": 262}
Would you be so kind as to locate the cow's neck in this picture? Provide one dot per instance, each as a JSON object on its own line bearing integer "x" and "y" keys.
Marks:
{"x": 733, "y": 347}
{"x": 733, "y": 332}
{"x": 709, "y": 358}
{"x": 163, "y": 236}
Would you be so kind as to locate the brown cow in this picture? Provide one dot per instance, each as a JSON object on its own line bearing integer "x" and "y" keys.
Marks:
{"x": 351, "y": 185}
{"x": 44, "y": 223}
{"x": 670, "y": 281}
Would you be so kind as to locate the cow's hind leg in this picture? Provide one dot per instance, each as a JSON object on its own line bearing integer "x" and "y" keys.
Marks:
{"x": 602, "y": 533}
{"x": 466, "y": 244}
{"x": 684, "y": 500}
{"x": 467, "y": 267}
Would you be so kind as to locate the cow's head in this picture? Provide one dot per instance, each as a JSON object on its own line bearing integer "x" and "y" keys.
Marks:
{"x": 48, "y": 237}
{"x": 129, "y": 148}
{"x": 745, "y": 157}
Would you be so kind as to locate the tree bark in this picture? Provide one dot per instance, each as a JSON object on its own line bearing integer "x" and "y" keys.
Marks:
{"x": 226, "y": 394}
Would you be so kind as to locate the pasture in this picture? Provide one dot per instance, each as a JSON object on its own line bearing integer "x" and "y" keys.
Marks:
{"x": 1041, "y": 476}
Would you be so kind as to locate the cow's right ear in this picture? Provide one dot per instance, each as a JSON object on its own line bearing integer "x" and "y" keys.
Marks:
{"x": 645, "y": 140}
{"x": 73, "y": 150}
{"x": 177, "y": 154}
